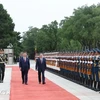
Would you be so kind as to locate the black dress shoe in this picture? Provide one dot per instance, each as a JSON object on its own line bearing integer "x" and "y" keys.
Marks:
{"x": 23, "y": 82}
{"x": 43, "y": 83}
{"x": 26, "y": 84}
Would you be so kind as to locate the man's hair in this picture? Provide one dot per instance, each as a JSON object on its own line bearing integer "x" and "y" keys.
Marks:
{"x": 41, "y": 54}
{"x": 24, "y": 52}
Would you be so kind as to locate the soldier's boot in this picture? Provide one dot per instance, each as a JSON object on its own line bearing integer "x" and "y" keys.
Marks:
{"x": 81, "y": 80}
{"x": 0, "y": 78}
{"x": 85, "y": 82}
{"x": 90, "y": 84}
{"x": 97, "y": 84}
{"x": 93, "y": 84}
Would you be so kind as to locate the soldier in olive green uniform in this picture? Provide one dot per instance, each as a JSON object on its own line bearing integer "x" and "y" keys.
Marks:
{"x": 2, "y": 69}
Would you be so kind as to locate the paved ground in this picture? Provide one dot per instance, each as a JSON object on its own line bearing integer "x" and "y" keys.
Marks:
{"x": 79, "y": 91}
{"x": 5, "y": 87}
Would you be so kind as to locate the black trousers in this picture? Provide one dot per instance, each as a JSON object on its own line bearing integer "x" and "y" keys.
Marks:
{"x": 39, "y": 76}
{"x": 2, "y": 72}
{"x": 24, "y": 76}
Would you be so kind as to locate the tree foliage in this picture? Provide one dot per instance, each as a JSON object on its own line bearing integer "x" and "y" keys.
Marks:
{"x": 6, "y": 27}
{"x": 7, "y": 33}
{"x": 77, "y": 32}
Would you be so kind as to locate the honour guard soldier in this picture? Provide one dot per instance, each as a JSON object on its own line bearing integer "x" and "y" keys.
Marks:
{"x": 95, "y": 69}
{"x": 2, "y": 69}
{"x": 99, "y": 73}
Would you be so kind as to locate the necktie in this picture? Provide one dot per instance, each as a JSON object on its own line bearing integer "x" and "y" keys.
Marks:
{"x": 41, "y": 60}
{"x": 25, "y": 59}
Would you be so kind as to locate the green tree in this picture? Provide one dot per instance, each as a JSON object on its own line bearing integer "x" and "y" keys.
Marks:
{"x": 15, "y": 40}
{"x": 47, "y": 37}
{"x": 28, "y": 41}
{"x": 83, "y": 27}
{"x": 86, "y": 27}
{"x": 6, "y": 28}
{"x": 77, "y": 32}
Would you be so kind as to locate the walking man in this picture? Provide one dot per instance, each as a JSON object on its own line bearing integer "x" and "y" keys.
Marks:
{"x": 24, "y": 65}
{"x": 41, "y": 66}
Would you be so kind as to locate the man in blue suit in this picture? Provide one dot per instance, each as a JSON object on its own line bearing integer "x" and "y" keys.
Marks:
{"x": 24, "y": 65}
{"x": 41, "y": 66}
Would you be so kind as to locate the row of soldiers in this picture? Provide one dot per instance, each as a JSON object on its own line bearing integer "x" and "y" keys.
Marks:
{"x": 84, "y": 67}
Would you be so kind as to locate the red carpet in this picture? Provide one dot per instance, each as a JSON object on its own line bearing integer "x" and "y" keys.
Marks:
{"x": 35, "y": 91}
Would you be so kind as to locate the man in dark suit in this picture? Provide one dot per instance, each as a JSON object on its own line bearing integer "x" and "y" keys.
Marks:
{"x": 24, "y": 65}
{"x": 41, "y": 66}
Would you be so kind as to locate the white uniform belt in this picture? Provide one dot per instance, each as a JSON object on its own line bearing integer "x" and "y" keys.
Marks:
{"x": 2, "y": 62}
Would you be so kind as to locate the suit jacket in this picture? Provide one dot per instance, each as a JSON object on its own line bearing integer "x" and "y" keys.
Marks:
{"x": 24, "y": 65}
{"x": 41, "y": 66}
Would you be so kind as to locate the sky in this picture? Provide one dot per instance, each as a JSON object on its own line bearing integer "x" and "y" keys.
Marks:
{"x": 26, "y": 13}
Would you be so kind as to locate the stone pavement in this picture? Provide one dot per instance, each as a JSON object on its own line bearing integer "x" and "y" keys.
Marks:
{"x": 79, "y": 91}
{"x": 5, "y": 87}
